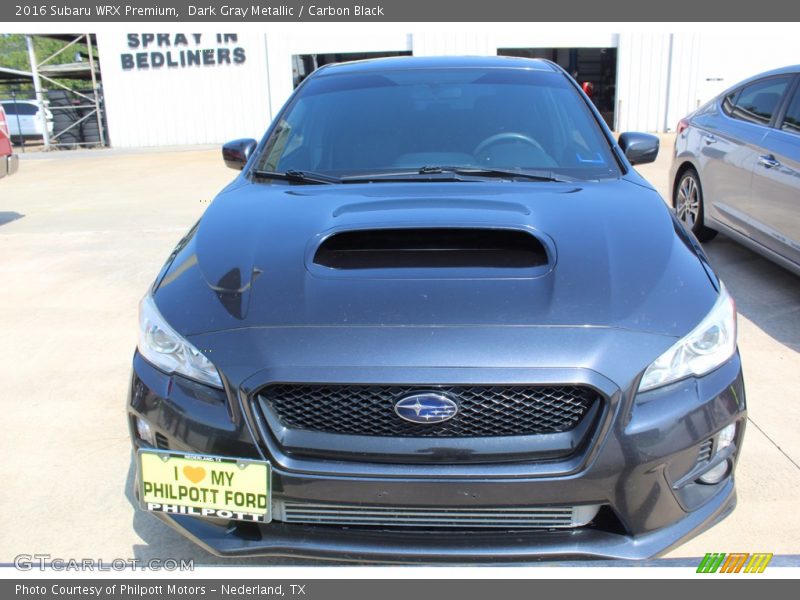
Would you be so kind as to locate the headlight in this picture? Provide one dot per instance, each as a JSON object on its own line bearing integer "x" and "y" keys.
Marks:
{"x": 164, "y": 348}
{"x": 705, "y": 348}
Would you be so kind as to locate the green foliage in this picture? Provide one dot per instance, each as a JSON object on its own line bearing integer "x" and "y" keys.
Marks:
{"x": 14, "y": 52}
{"x": 14, "y": 55}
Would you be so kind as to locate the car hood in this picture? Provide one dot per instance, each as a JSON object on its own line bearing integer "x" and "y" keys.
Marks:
{"x": 615, "y": 258}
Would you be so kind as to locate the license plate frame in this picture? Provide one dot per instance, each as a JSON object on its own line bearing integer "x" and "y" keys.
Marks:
{"x": 183, "y": 504}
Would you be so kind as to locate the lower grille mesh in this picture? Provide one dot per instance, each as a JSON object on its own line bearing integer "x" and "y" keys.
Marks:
{"x": 392, "y": 516}
{"x": 483, "y": 411}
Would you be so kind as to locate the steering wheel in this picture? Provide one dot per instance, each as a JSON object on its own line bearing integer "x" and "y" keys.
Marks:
{"x": 507, "y": 136}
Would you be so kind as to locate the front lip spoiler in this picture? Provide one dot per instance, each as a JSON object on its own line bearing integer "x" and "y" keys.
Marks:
{"x": 336, "y": 543}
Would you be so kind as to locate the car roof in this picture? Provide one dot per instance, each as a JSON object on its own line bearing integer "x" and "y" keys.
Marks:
{"x": 398, "y": 63}
{"x": 789, "y": 70}
{"x": 781, "y": 71}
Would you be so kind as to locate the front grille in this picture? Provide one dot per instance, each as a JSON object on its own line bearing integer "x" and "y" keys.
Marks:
{"x": 398, "y": 516}
{"x": 483, "y": 411}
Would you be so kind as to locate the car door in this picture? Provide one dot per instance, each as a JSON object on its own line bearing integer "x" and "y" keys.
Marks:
{"x": 775, "y": 203}
{"x": 729, "y": 146}
{"x": 27, "y": 116}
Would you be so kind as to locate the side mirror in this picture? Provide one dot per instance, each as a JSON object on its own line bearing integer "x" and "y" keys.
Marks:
{"x": 237, "y": 153}
{"x": 639, "y": 148}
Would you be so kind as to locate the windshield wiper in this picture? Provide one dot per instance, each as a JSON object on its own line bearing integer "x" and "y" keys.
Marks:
{"x": 307, "y": 177}
{"x": 310, "y": 177}
{"x": 490, "y": 172}
{"x": 395, "y": 176}
{"x": 455, "y": 174}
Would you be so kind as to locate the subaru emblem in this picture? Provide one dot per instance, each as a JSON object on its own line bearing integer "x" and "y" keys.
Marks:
{"x": 426, "y": 407}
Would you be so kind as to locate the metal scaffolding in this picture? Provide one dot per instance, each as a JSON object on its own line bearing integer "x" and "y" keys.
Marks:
{"x": 89, "y": 105}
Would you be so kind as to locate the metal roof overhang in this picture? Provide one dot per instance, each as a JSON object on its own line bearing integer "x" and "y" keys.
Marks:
{"x": 10, "y": 76}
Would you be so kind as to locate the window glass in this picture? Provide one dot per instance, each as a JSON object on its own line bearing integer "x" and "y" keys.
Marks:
{"x": 403, "y": 120}
{"x": 729, "y": 102}
{"x": 791, "y": 122}
{"x": 758, "y": 101}
{"x": 21, "y": 108}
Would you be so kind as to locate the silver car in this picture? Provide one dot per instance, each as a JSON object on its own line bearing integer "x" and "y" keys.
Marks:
{"x": 736, "y": 166}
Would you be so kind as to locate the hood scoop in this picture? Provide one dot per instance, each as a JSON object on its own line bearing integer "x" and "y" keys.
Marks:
{"x": 432, "y": 249}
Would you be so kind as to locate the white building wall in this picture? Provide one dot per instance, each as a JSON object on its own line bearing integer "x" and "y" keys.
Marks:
{"x": 198, "y": 105}
{"x": 705, "y": 64}
{"x": 642, "y": 80}
{"x": 661, "y": 77}
{"x": 467, "y": 43}
{"x": 544, "y": 35}
{"x": 184, "y": 105}
{"x": 683, "y": 95}
{"x": 726, "y": 59}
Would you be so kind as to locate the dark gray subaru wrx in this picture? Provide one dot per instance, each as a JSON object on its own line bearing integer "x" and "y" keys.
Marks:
{"x": 438, "y": 316}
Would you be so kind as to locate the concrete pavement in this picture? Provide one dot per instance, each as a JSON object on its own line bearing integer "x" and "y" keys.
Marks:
{"x": 81, "y": 237}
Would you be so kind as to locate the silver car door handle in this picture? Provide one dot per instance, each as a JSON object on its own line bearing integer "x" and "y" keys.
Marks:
{"x": 768, "y": 161}
{"x": 709, "y": 138}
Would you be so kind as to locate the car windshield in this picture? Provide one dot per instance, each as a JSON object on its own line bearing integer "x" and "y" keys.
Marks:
{"x": 404, "y": 121}
{"x": 19, "y": 108}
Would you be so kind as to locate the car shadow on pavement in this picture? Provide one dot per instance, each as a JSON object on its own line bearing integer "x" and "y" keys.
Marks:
{"x": 766, "y": 294}
{"x": 6, "y": 216}
{"x": 159, "y": 541}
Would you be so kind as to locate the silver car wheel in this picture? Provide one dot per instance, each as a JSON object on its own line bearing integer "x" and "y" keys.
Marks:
{"x": 688, "y": 204}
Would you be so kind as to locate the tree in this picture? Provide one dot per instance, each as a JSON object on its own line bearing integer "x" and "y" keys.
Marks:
{"x": 14, "y": 55}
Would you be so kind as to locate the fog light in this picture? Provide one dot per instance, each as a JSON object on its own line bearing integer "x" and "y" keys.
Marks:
{"x": 716, "y": 474}
{"x": 726, "y": 436}
{"x": 145, "y": 432}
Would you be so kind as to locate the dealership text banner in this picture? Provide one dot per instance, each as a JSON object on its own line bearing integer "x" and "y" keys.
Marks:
{"x": 395, "y": 11}
{"x": 330, "y": 589}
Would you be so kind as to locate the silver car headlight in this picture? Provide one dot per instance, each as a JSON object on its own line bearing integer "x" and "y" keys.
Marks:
{"x": 709, "y": 345}
{"x": 161, "y": 345}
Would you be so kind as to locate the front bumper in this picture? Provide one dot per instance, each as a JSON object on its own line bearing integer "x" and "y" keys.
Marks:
{"x": 641, "y": 466}
{"x": 326, "y": 542}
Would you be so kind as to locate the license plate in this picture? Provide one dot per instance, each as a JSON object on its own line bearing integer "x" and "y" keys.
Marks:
{"x": 204, "y": 486}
